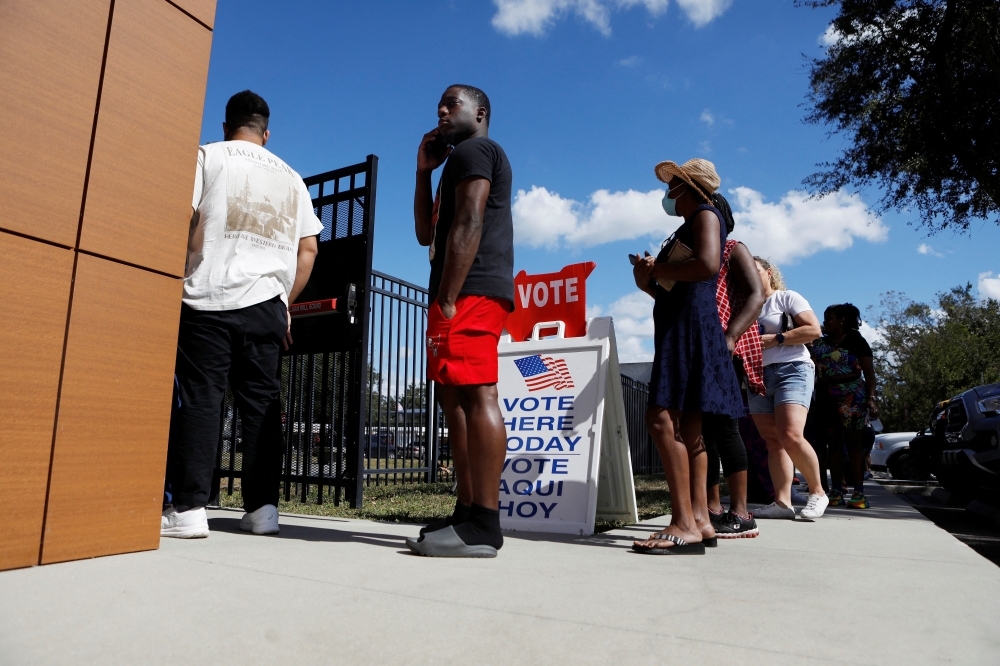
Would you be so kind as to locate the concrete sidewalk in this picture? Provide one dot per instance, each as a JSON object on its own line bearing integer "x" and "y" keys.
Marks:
{"x": 883, "y": 586}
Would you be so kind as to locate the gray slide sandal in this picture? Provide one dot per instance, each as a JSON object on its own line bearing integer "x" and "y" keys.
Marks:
{"x": 447, "y": 543}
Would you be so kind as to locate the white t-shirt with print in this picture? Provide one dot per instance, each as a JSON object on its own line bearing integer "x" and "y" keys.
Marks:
{"x": 251, "y": 209}
{"x": 770, "y": 322}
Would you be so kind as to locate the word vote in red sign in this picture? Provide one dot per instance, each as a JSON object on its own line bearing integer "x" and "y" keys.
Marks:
{"x": 558, "y": 296}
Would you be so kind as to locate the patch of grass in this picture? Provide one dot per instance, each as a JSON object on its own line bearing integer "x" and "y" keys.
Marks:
{"x": 426, "y": 502}
{"x": 402, "y": 503}
{"x": 652, "y": 499}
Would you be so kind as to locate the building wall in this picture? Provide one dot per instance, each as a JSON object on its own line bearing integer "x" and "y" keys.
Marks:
{"x": 102, "y": 107}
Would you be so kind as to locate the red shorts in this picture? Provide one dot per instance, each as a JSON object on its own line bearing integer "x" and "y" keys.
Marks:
{"x": 463, "y": 349}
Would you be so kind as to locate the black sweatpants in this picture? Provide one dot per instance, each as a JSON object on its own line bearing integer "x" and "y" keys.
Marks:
{"x": 244, "y": 347}
{"x": 721, "y": 435}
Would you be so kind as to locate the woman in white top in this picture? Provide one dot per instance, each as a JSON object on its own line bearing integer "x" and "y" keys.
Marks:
{"x": 780, "y": 414}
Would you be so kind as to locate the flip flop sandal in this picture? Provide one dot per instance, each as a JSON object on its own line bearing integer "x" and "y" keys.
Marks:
{"x": 712, "y": 542}
{"x": 681, "y": 546}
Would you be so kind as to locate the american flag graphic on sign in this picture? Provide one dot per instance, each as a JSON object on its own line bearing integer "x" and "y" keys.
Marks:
{"x": 542, "y": 372}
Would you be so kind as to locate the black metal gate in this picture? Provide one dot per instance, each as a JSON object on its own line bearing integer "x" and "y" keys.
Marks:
{"x": 323, "y": 375}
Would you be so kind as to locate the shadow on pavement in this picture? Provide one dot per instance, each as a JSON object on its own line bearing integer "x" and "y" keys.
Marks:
{"x": 551, "y": 536}
{"x": 307, "y": 533}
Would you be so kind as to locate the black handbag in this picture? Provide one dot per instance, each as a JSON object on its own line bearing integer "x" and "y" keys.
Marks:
{"x": 787, "y": 322}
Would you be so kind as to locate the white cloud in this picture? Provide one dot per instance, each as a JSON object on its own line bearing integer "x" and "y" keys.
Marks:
{"x": 924, "y": 248}
{"x": 546, "y": 219}
{"x": 702, "y": 12}
{"x": 872, "y": 335}
{"x": 795, "y": 227}
{"x": 535, "y": 17}
{"x": 989, "y": 286}
{"x": 631, "y": 61}
{"x": 830, "y": 37}
{"x": 633, "y": 316}
{"x": 707, "y": 117}
{"x": 799, "y": 225}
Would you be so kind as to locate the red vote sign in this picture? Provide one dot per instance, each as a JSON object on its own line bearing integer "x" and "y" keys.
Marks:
{"x": 558, "y": 296}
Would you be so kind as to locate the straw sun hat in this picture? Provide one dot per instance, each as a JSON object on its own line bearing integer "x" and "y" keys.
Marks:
{"x": 698, "y": 173}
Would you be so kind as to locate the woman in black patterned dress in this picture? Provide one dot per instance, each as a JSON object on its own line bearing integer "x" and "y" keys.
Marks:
{"x": 692, "y": 367}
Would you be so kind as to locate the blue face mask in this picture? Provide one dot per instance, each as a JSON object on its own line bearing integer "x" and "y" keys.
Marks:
{"x": 670, "y": 205}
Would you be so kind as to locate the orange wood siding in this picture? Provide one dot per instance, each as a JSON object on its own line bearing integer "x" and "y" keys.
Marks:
{"x": 133, "y": 205}
{"x": 146, "y": 145}
{"x": 203, "y": 10}
{"x": 34, "y": 289}
{"x": 50, "y": 68}
{"x": 114, "y": 413}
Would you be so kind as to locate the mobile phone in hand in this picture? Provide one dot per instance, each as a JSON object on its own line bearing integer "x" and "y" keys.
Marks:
{"x": 437, "y": 147}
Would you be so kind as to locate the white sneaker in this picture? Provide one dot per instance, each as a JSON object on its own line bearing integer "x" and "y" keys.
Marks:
{"x": 262, "y": 521}
{"x": 815, "y": 507}
{"x": 192, "y": 524}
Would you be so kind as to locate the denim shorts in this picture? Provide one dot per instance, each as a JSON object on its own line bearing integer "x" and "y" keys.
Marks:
{"x": 786, "y": 383}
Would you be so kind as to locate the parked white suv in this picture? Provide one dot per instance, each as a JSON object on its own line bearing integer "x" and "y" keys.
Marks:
{"x": 892, "y": 452}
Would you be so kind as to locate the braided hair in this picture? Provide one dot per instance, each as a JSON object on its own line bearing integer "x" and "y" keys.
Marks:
{"x": 720, "y": 202}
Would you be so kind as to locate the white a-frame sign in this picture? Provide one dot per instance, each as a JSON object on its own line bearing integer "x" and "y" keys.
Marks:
{"x": 568, "y": 456}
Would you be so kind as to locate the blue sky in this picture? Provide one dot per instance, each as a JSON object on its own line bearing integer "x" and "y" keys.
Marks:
{"x": 587, "y": 96}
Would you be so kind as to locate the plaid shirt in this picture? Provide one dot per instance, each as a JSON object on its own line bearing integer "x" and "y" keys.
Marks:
{"x": 748, "y": 346}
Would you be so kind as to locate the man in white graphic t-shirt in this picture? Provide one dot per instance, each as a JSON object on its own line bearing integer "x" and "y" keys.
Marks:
{"x": 250, "y": 251}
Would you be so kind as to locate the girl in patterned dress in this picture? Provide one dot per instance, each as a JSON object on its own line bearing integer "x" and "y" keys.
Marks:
{"x": 845, "y": 396}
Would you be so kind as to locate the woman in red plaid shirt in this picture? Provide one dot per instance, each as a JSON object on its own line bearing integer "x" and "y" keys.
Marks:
{"x": 739, "y": 295}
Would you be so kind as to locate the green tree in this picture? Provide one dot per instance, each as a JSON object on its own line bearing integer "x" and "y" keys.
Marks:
{"x": 915, "y": 85}
{"x": 926, "y": 355}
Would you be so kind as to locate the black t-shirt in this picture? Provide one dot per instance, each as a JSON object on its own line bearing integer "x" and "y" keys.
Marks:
{"x": 492, "y": 271}
{"x": 856, "y": 345}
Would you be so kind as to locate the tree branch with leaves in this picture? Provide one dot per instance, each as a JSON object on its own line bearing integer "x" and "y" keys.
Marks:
{"x": 915, "y": 85}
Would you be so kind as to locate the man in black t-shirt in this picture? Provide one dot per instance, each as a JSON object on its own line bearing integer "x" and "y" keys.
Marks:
{"x": 470, "y": 231}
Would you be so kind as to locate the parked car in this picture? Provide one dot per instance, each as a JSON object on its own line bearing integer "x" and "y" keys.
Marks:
{"x": 891, "y": 453}
{"x": 962, "y": 444}
{"x": 926, "y": 447}
{"x": 380, "y": 445}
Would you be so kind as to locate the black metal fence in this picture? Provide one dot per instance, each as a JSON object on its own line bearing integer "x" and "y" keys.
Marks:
{"x": 645, "y": 458}
{"x": 406, "y": 436}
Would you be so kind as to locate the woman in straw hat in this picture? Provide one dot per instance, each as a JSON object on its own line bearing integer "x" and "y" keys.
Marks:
{"x": 692, "y": 367}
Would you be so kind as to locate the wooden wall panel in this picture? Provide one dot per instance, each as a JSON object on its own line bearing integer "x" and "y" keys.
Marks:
{"x": 34, "y": 291}
{"x": 203, "y": 10}
{"x": 114, "y": 414}
{"x": 146, "y": 144}
{"x": 50, "y": 68}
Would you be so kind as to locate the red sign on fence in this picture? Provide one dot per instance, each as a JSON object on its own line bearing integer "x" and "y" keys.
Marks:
{"x": 558, "y": 296}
